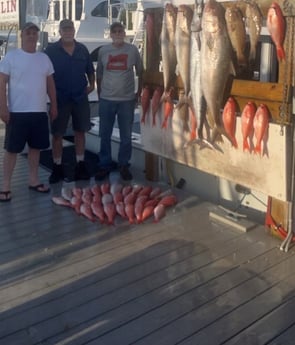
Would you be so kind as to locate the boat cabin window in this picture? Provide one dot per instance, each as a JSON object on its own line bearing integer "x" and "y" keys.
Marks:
{"x": 67, "y": 9}
{"x": 101, "y": 10}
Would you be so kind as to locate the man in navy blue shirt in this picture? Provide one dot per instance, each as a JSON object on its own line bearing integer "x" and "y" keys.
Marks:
{"x": 74, "y": 80}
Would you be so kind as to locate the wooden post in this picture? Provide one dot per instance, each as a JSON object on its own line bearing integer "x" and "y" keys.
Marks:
{"x": 151, "y": 167}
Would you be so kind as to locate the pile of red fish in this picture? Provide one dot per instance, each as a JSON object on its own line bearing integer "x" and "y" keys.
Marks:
{"x": 106, "y": 201}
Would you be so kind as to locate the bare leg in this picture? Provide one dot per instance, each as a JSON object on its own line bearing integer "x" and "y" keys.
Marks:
{"x": 9, "y": 161}
{"x": 80, "y": 143}
{"x": 33, "y": 159}
{"x": 56, "y": 147}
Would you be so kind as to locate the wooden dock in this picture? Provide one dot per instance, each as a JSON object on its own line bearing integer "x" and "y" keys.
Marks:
{"x": 184, "y": 280}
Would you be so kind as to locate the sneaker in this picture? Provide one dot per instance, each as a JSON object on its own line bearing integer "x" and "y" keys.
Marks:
{"x": 57, "y": 173}
{"x": 81, "y": 172}
{"x": 101, "y": 174}
{"x": 125, "y": 173}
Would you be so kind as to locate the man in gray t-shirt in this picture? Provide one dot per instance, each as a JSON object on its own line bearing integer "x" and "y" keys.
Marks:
{"x": 117, "y": 97}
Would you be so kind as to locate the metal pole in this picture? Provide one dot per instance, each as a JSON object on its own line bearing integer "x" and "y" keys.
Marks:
{"x": 22, "y": 12}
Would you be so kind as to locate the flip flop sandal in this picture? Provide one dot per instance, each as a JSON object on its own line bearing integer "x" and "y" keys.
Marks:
{"x": 6, "y": 194}
{"x": 39, "y": 188}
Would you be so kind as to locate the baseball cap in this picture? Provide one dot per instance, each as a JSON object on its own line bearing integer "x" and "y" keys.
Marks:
{"x": 66, "y": 23}
{"x": 30, "y": 25}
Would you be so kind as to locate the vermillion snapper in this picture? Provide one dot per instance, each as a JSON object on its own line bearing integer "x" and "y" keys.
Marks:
{"x": 277, "y": 28}
{"x": 229, "y": 120}
{"x": 247, "y": 118}
{"x": 261, "y": 124}
{"x": 216, "y": 52}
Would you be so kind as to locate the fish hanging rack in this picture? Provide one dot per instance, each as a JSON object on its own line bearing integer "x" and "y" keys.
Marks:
{"x": 276, "y": 95}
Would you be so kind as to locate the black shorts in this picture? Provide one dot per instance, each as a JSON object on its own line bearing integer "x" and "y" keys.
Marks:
{"x": 78, "y": 111}
{"x": 27, "y": 128}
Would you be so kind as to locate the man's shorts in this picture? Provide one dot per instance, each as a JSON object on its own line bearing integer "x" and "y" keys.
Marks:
{"x": 78, "y": 111}
{"x": 27, "y": 128}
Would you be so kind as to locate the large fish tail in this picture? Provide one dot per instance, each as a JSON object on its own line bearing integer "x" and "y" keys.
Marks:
{"x": 280, "y": 53}
{"x": 257, "y": 149}
{"x": 193, "y": 122}
{"x": 246, "y": 146}
{"x": 217, "y": 132}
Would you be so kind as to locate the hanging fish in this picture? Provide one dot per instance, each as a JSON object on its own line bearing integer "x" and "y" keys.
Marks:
{"x": 155, "y": 102}
{"x": 276, "y": 26}
{"x": 150, "y": 36}
{"x": 254, "y": 21}
{"x": 145, "y": 102}
{"x": 247, "y": 118}
{"x": 168, "y": 51}
{"x": 229, "y": 120}
{"x": 216, "y": 64}
{"x": 168, "y": 109}
{"x": 198, "y": 116}
{"x": 237, "y": 33}
{"x": 260, "y": 124}
{"x": 183, "y": 111}
{"x": 182, "y": 46}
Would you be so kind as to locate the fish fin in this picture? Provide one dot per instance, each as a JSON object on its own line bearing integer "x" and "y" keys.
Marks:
{"x": 252, "y": 56}
{"x": 217, "y": 133}
{"x": 165, "y": 123}
{"x": 257, "y": 149}
{"x": 281, "y": 53}
{"x": 246, "y": 146}
{"x": 232, "y": 69}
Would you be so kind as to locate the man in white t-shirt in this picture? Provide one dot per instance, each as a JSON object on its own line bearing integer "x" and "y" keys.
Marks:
{"x": 26, "y": 78}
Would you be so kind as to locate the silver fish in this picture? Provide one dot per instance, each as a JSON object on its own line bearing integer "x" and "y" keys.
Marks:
{"x": 195, "y": 68}
{"x": 237, "y": 33}
{"x": 216, "y": 52}
{"x": 254, "y": 21}
{"x": 182, "y": 44}
{"x": 168, "y": 50}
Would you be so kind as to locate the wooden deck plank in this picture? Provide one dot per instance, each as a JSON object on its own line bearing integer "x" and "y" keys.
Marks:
{"x": 185, "y": 280}
{"x": 87, "y": 313}
{"x": 121, "y": 266}
{"x": 265, "y": 329}
{"x": 260, "y": 299}
{"x": 287, "y": 337}
{"x": 172, "y": 309}
{"x": 175, "y": 326}
{"x": 90, "y": 260}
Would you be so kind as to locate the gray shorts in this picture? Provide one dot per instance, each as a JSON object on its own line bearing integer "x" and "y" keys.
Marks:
{"x": 78, "y": 112}
{"x": 26, "y": 128}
